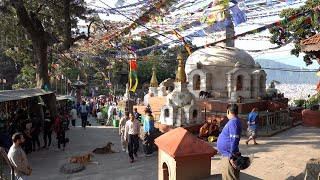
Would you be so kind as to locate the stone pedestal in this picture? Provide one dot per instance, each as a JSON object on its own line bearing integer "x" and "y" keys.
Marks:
{"x": 272, "y": 91}
{"x": 234, "y": 96}
{"x": 313, "y": 169}
{"x": 126, "y": 106}
{"x": 70, "y": 168}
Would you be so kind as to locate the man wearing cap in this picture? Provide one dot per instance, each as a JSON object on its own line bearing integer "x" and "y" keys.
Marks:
{"x": 228, "y": 144}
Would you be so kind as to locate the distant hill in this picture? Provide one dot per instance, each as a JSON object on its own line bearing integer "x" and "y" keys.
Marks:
{"x": 287, "y": 76}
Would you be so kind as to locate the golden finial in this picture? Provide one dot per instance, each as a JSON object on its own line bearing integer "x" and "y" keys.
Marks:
{"x": 154, "y": 81}
{"x": 181, "y": 74}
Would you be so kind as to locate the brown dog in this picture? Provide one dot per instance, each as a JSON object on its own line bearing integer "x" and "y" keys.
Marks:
{"x": 84, "y": 159}
{"x": 104, "y": 150}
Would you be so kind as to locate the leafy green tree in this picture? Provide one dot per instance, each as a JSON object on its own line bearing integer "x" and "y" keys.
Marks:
{"x": 42, "y": 24}
{"x": 299, "y": 28}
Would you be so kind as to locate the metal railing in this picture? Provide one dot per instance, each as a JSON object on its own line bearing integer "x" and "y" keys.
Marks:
{"x": 274, "y": 121}
{"x": 4, "y": 158}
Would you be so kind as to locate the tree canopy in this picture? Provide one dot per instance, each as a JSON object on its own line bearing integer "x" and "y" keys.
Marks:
{"x": 299, "y": 29}
{"x": 37, "y": 26}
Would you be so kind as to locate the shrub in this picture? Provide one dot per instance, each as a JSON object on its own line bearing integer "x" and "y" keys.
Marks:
{"x": 299, "y": 102}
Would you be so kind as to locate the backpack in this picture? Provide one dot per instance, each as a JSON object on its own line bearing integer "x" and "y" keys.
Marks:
{"x": 83, "y": 109}
{"x": 63, "y": 124}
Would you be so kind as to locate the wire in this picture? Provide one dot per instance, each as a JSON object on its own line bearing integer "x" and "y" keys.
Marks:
{"x": 136, "y": 22}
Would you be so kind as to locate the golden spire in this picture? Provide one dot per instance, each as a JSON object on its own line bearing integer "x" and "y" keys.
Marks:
{"x": 154, "y": 81}
{"x": 181, "y": 74}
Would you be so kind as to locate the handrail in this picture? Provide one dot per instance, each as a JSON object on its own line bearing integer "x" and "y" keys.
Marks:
{"x": 5, "y": 156}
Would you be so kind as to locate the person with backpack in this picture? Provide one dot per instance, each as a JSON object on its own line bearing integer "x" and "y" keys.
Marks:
{"x": 60, "y": 127}
{"x": 84, "y": 110}
{"x": 148, "y": 127}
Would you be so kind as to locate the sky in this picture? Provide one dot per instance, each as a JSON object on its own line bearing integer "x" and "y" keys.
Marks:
{"x": 280, "y": 55}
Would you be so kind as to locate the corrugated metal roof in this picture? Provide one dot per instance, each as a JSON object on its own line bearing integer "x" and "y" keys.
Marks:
{"x": 11, "y": 95}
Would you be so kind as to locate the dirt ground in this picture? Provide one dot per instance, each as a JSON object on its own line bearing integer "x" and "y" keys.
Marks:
{"x": 280, "y": 157}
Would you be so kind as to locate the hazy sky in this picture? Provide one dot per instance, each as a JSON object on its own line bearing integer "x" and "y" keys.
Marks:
{"x": 281, "y": 55}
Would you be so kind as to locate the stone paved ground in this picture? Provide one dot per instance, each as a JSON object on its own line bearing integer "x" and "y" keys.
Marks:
{"x": 282, "y": 156}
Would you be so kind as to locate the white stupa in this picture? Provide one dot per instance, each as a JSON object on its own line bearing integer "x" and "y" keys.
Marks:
{"x": 180, "y": 108}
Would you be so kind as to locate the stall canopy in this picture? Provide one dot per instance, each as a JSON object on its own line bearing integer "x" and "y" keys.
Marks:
{"x": 66, "y": 97}
{"x": 12, "y": 95}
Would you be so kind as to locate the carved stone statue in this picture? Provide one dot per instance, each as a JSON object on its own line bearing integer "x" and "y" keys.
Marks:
{"x": 127, "y": 94}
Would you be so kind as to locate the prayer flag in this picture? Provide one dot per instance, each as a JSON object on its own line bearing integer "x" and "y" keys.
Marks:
{"x": 133, "y": 73}
{"x": 120, "y": 3}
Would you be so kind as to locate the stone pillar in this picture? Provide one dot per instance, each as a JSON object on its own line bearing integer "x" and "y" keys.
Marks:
{"x": 256, "y": 87}
{"x": 229, "y": 85}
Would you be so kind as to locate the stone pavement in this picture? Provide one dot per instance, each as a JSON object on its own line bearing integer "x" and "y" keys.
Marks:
{"x": 282, "y": 156}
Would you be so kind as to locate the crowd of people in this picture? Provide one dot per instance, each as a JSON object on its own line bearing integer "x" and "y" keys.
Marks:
{"x": 25, "y": 136}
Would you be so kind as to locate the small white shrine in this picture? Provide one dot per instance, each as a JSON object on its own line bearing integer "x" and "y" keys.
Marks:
{"x": 225, "y": 72}
{"x": 153, "y": 88}
{"x": 180, "y": 108}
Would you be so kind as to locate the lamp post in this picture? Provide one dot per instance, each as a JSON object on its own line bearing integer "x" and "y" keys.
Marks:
{"x": 3, "y": 81}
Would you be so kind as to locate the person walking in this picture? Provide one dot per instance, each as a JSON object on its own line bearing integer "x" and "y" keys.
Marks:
{"x": 35, "y": 131}
{"x": 18, "y": 158}
{"x": 132, "y": 132}
{"x": 111, "y": 112}
{"x": 148, "y": 127}
{"x": 253, "y": 118}
{"x": 228, "y": 144}
{"x": 122, "y": 134}
{"x": 84, "y": 110}
{"x": 60, "y": 127}
{"x": 137, "y": 115}
{"x": 47, "y": 129}
{"x": 73, "y": 116}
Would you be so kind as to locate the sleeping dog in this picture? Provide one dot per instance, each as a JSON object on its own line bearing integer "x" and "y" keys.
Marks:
{"x": 82, "y": 159}
{"x": 104, "y": 150}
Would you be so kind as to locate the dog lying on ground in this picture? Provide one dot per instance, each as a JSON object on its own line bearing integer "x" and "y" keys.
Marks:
{"x": 82, "y": 159}
{"x": 104, "y": 150}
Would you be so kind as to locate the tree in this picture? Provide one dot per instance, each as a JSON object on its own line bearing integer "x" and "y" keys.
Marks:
{"x": 300, "y": 28}
{"x": 46, "y": 23}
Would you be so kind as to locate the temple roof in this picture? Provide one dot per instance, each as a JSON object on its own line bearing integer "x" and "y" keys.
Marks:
{"x": 180, "y": 143}
{"x": 311, "y": 44}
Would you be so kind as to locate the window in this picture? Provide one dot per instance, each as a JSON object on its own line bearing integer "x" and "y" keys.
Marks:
{"x": 166, "y": 113}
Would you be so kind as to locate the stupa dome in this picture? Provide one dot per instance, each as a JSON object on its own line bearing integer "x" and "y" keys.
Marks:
{"x": 218, "y": 60}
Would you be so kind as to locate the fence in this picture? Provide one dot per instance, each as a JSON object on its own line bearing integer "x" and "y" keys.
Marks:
{"x": 268, "y": 123}
{"x": 273, "y": 122}
{"x": 5, "y": 166}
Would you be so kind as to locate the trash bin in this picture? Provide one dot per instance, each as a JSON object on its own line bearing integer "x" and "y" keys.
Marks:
{"x": 115, "y": 123}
